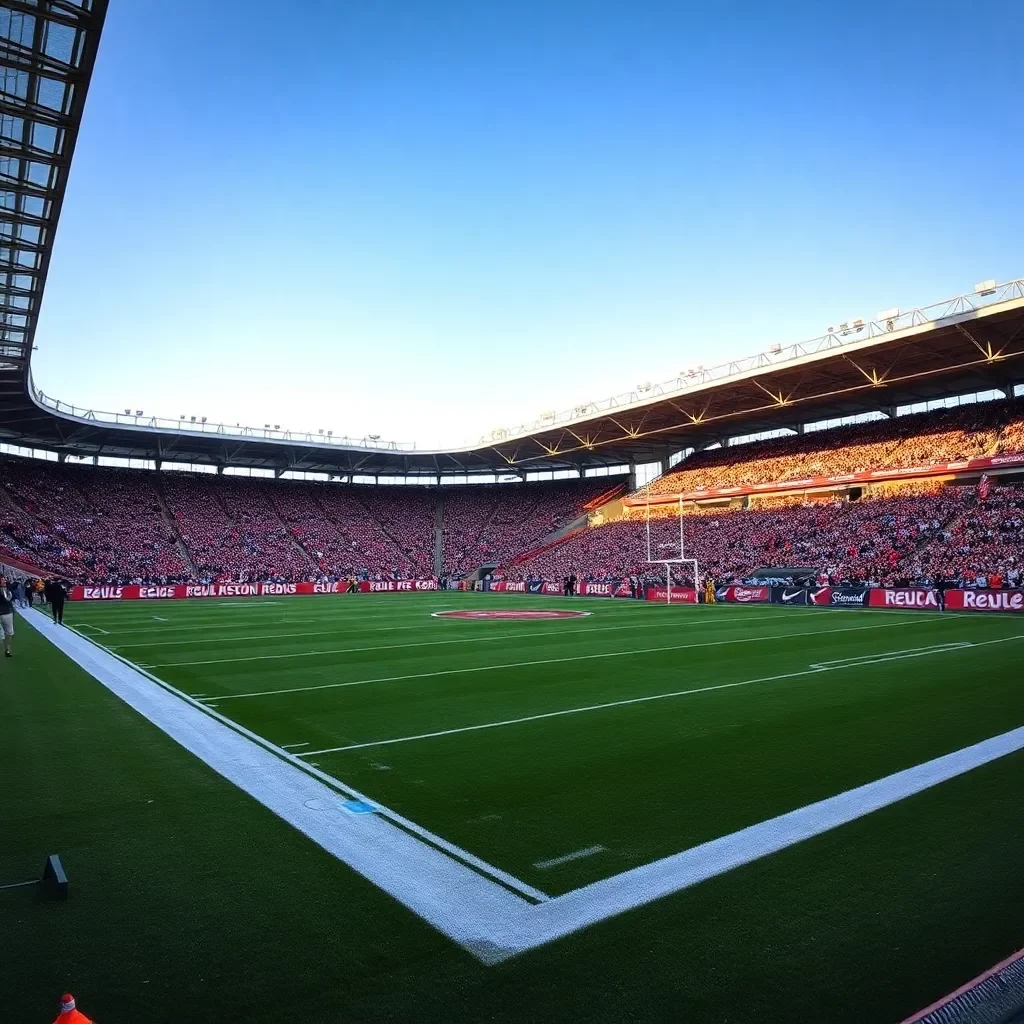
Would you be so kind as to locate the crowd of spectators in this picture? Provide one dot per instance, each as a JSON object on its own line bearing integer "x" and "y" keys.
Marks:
{"x": 948, "y": 534}
{"x": 95, "y": 524}
{"x": 495, "y": 524}
{"x": 945, "y": 435}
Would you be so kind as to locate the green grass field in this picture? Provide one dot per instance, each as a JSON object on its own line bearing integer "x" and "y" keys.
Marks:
{"x": 600, "y": 744}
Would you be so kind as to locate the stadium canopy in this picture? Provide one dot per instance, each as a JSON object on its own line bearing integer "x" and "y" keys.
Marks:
{"x": 970, "y": 343}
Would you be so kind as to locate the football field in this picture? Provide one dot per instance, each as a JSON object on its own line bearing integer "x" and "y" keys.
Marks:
{"x": 577, "y": 762}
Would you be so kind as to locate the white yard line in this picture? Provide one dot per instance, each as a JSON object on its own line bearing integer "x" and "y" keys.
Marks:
{"x": 833, "y": 666}
{"x": 554, "y": 862}
{"x": 475, "y": 911}
{"x": 89, "y": 625}
{"x": 491, "y": 639}
{"x": 293, "y": 746}
{"x": 558, "y": 661}
{"x": 343, "y": 626}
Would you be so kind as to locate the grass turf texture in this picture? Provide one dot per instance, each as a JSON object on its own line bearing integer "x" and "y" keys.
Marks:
{"x": 202, "y": 900}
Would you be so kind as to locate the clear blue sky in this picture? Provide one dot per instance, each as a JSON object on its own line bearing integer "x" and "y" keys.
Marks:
{"x": 425, "y": 219}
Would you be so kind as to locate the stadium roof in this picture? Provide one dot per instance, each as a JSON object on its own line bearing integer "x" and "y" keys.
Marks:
{"x": 969, "y": 343}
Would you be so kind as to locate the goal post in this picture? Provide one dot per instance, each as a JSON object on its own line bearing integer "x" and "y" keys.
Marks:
{"x": 665, "y": 543}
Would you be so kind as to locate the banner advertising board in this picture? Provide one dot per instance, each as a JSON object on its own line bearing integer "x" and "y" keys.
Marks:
{"x": 985, "y": 600}
{"x": 743, "y": 595}
{"x": 178, "y": 591}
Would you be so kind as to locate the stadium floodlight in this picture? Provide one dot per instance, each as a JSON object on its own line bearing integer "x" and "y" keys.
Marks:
{"x": 373, "y": 437}
{"x": 138, "y": 412}
{"x": 775, "y": 349}
{"x": 193, "y": 419}
{"x": 203, "y": 419}
{"x": 127, "y": 412}
{"x": 277, "y": 426}
{"x": 330, "y": 433}
{"x": 985, "y": 288}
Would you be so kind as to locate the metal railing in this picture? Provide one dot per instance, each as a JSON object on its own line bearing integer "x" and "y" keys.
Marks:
{"x": 845, "y": 333}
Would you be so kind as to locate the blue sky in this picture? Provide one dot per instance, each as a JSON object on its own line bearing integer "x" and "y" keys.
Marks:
{"x": 425, "y": 219}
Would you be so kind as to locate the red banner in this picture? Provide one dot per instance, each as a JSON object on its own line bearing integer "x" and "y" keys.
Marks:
{"x": 908, "y": 597}
{"x": 681, "y": 595}
{"x": 873, "y": 476}
{"x": 163, "y": 593}
{"x": 985, "y": 600}
{"x": 521, "y": 587}
{"x": 744, "y": 595}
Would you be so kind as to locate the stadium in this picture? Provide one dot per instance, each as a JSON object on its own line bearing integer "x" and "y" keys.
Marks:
{"x": 699, "y": 702}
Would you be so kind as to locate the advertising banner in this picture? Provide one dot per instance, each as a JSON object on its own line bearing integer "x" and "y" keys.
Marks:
{"x": 790, "y": 595}
{"x": 908, "y": 597}
{"x": 528, "y": 587}
{"x": 847, "y": 597}
{"x": 178, "y": 591}
{"x": 985, "y": 600}
{"x": 743, "y": 595}
{"x": 680, "y": 595}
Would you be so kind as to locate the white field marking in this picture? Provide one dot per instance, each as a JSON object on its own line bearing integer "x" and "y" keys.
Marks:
{"x": 160, "y": 618}
{"x": 873, "y": 659}
{"x": 484, "y": 918}
{"x": 89, "y": 625}
{"x": 20, "y": 885}
{"x": 495, "y": 638}
{"x": 343, "y": 627}
{"x": 813, "y": 670}
{"x": 419, "y": 868}
{"x": 611, "y": 896}
{"x": 190, "y": 612}
{"x": 292, "y": 746}
{"x": 543, "y": 865}
{"x": 558, "y": 661}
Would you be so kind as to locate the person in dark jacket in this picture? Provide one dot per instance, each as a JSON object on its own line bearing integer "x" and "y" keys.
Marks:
{"x": 55, "y": 595}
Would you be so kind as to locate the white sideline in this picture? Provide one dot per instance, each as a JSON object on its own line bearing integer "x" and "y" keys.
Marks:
{"x": 482, "y": 916}
{"x": 559, "y": 661}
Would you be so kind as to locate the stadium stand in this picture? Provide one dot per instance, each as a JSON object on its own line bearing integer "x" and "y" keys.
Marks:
{"x": 106, "y": 525}
{"x": 965, "y": 432}
{"x": 949, "y": 533}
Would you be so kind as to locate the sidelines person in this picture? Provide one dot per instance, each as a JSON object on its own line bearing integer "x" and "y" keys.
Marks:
{"x": 6, "y": 615}
{"x": 69, "y": 1013}
{"x": 709, "y": 591}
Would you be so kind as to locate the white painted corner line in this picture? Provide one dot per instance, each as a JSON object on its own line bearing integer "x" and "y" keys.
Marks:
{"x": 554, "y": 862}
{"x": 484, "y": 911}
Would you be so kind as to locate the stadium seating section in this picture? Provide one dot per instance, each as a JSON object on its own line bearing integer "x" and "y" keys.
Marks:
{"x": 108, "y": 525}
{"x": 948, "y": 435}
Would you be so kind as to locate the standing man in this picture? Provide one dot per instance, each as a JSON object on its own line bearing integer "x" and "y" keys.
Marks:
{"x": 56, "y": 594}
{"x": 6, "y": 615}
{"x": 18, "y": 590}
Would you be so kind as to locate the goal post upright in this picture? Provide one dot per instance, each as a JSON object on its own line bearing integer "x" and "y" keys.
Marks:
{"x": 653, "y": 557}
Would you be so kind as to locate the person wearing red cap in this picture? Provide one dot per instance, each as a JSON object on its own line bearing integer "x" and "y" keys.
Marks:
{"x": 68, "y": 1013}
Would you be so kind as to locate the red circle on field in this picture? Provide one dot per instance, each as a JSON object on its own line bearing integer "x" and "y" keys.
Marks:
{"x": 511, "y": 613}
